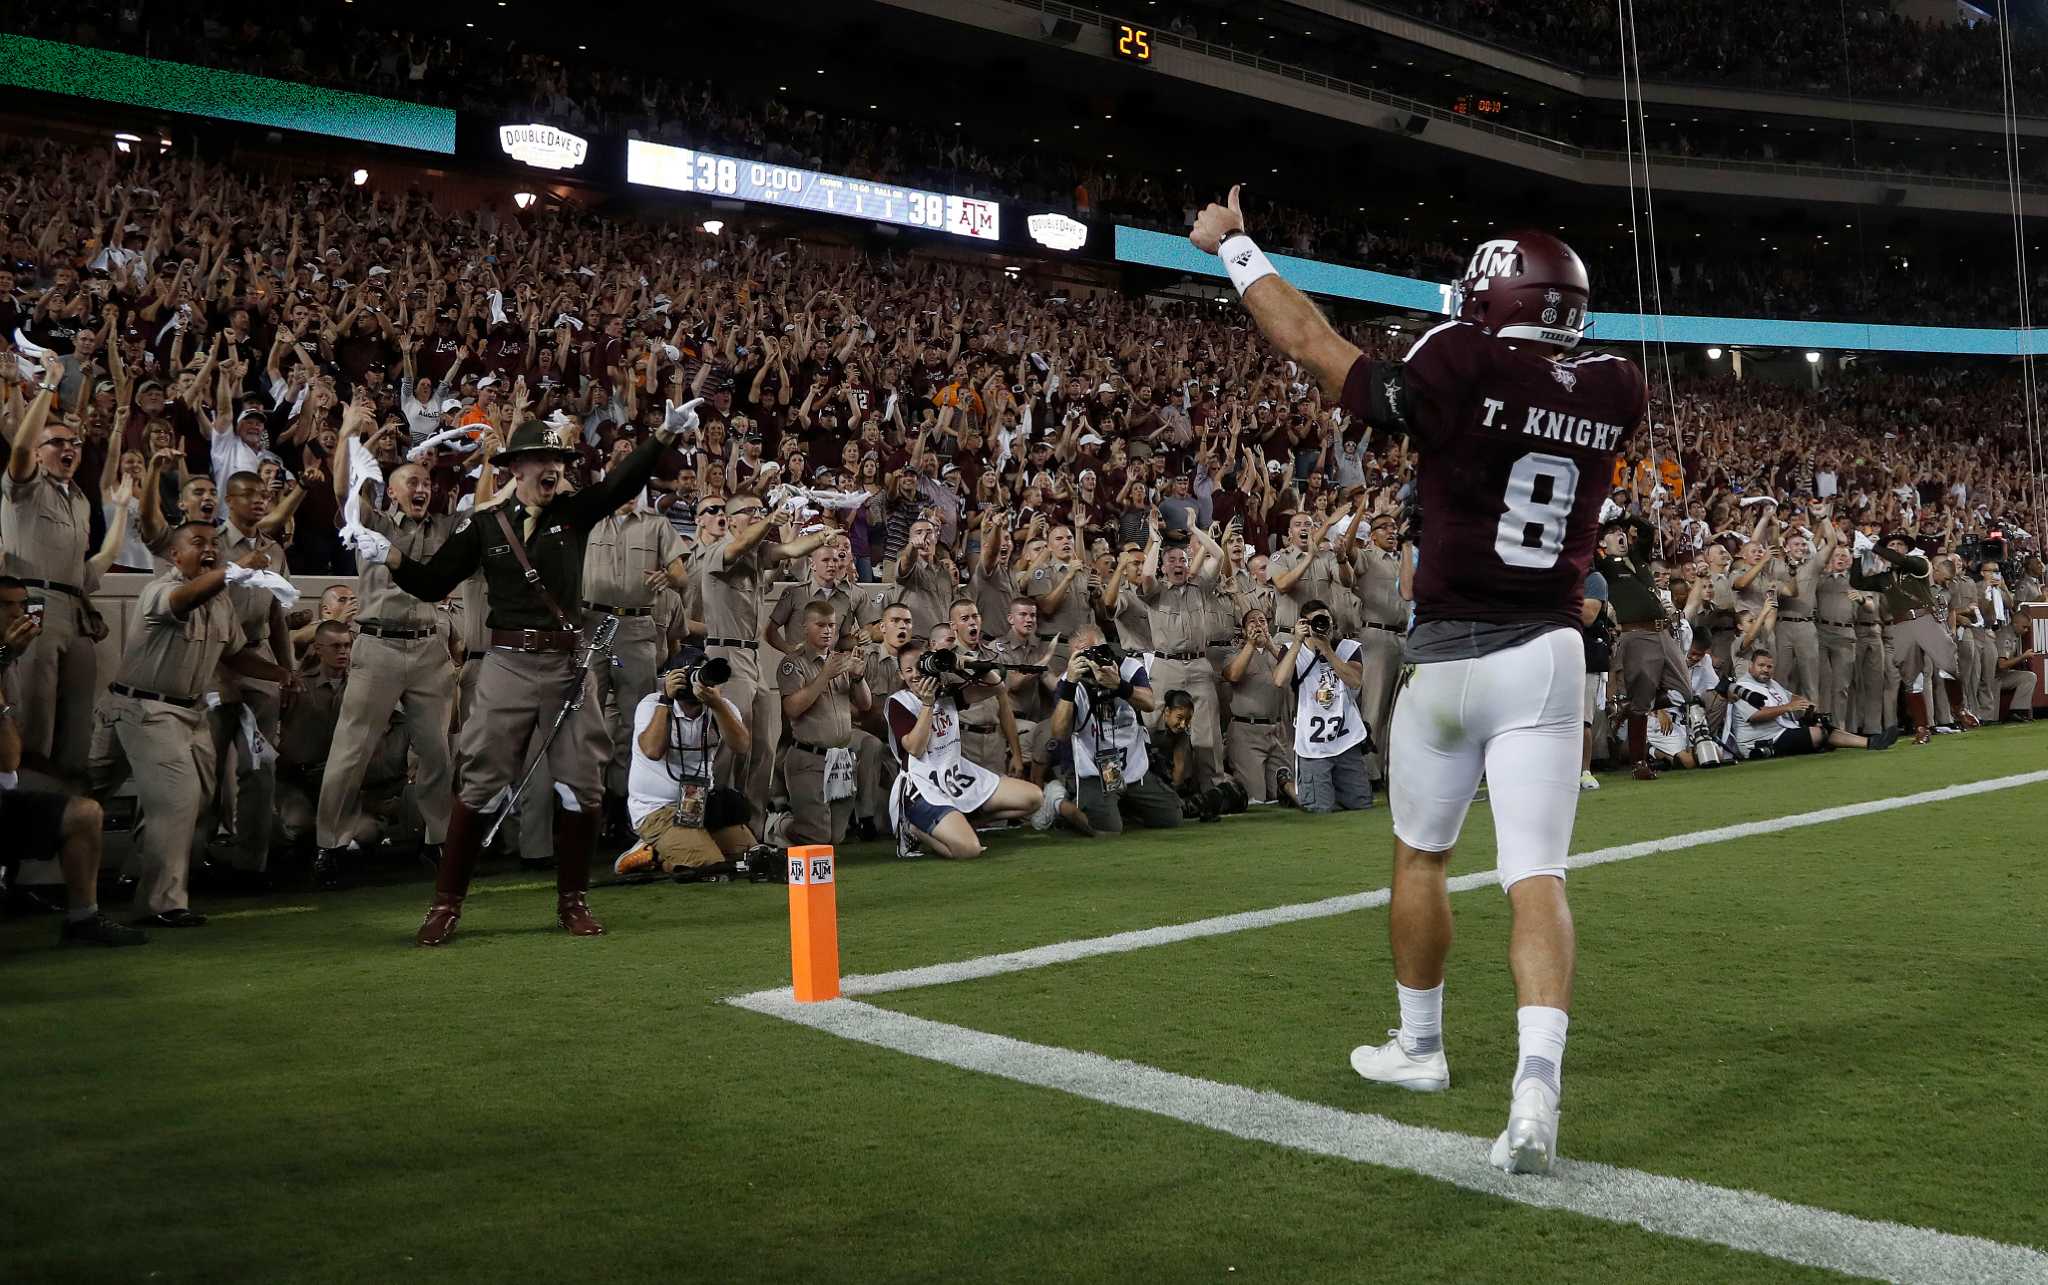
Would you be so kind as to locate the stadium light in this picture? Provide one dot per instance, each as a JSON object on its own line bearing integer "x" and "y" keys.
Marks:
{"x": 523, "y": 199}
{"x": 1713, "y": 354}
{"x": 360, "y": 177}
{"x": 125, "y": 142}
{"x": 1813, "y": 359}
{"x": 714, "y": 226}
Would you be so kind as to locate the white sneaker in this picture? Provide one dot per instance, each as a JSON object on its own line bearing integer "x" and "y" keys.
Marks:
{"x": 1529, "y": 1143}
{"x": 1049, "y": 811}
{"x": 1389, "y": 1063}
{"x": 1587, "y": 781}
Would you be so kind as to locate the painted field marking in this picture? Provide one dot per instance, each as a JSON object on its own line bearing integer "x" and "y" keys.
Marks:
{"x": 1016, "y": 961}
{"x": 264, "y": 912}
{"x": 1679, "y": 1207}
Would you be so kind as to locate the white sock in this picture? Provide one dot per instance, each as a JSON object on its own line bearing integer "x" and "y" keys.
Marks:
{"x": 1542, "y": 1048}
{"x": 1422, "y": 1019}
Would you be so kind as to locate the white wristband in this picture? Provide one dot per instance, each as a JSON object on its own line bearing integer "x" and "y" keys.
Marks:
{"x": 1244, "y": 261}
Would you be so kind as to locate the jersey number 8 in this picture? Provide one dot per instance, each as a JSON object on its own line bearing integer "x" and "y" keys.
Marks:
{"x": 1539, "y": 498}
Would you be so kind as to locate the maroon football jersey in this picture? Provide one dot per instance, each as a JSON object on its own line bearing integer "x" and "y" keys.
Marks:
{"x": 1516, "y": 452}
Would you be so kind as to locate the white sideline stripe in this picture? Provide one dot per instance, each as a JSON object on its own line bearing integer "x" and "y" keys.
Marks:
{"x": 1016, "y": 961}
{"x": 1743, "y": 1220}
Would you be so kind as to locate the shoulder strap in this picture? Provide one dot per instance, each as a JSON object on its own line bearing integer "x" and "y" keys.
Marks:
{"x": 526, "y": 569}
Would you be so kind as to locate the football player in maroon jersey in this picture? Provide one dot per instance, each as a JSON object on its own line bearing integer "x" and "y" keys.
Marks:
{"x": 1516, "y": 438}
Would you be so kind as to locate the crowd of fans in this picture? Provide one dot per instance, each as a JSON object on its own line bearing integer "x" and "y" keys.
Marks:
{"x": 1822, "y": 276}
{"x": 957, "y": 459}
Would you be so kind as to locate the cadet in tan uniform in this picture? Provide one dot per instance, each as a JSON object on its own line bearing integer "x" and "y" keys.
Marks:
{"x": 994, "y": 738}
{"x": 1304, "y": 571}
{"x": 1976, "y": 650}
{"x": 45, "y": 535}
{"x": 1797, "y": 629}
{"x": 632, "y": 554}
{"x": 1875, "y": 697}
{"x": 1060, "y": 585}
{"x": 1834, "y": 610}
{"x": 1383, "y": 621}
{"x": 921, "y": 582}
{"x": 822, "y": 688}
{"x": 152, "y": 724}
{"x": 1720, "y": 614}
{"x": 382, "y": 803}
{"x": 400, "y": 663}
{"x": 1922, "y": 647}
{"x": 269, "y": 637}
{"x": 732, "y": 580}
{"x": 828, "y": 583}
{"x": 1261, "y": 746}
{"x": 1754, "y": 582}
{"x": 1030, "y": 694}
{"x": 1180, "y": 607}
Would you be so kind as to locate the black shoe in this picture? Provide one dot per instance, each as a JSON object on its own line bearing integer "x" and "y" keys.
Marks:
{"x": 99, "y": 931}
{"x": 179, "y": 918}
{"x": 327, "y": 871}
{"x": 864, "y": 829}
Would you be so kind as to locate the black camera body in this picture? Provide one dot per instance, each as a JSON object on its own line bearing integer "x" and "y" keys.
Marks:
{"x": 1320, "y": 624}
{"x": 1225, "y": 798}
{"x": 1106, "y": 654}
{"x": 705, "y": 671}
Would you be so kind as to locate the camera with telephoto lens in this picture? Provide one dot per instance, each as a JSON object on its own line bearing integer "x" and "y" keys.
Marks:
{"x": 1213, "y": 803}
{"x": 700, "y": 671}
{"x": 1104, "y": 655}
{"x": 1320, "y": 624}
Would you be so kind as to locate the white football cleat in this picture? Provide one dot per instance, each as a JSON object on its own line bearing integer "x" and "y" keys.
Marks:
{"x": 1587, "y": 781}
{"x": 1389, "y": 1063}
{"x": 1049, "y": 811}
{"x": 1529, "y": 1143}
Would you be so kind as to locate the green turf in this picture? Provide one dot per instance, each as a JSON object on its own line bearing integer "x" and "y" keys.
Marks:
{"x": 1843, "y": 1016}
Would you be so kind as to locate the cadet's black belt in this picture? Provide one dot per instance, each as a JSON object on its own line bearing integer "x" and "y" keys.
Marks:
{"x": 820, "y": 750}
{"x": 621, "y": 612}
{"x": 1639, "y": 626}
{"x": 396, "y": 633}
{"x": 1914, "y": 614}
{"x": 1795, "y": 620}
{"x": 1181, "y": 655}
{"x": 751, "y": 644}
{"x": 58, "y": 585}
{"x": 1839, "y": 624}
{"x": 1255, "y": 722}
{"x": 536, "y": 640}
{"x": 983, "y": 728}
{"x": 1392, "y": 629}
{"x": 123, "y": 689}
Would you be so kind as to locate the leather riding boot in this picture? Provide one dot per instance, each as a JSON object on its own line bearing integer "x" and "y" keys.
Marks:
{"x": 1964, "y": 718}
{"x": 1639, "y": 747}
{"x": 1916, "y": 706}
{"x": 459, "y": 852}
{"x": 575, "y": 832}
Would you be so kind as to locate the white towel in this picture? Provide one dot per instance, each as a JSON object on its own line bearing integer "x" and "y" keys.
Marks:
{"x": 839, "y": 782}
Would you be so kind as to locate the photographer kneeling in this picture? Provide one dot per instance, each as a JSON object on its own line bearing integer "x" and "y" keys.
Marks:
{"x": 1098, "y": 707}
{"x": 940, "y": 794}
{"x": 689, "y": 825}
{"x": 1767, "y": 721}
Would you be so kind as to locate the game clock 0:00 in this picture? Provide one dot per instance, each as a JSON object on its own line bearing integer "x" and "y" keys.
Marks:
{"x": 1134, "y": 43}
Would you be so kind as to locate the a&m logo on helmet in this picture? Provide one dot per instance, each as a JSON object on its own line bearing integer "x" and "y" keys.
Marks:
{"x": 1493, "y": 259}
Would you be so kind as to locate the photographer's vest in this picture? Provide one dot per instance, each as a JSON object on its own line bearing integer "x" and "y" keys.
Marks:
{"x": 940, "y": 776}
{"x": 1100, "y": 735}
{"x": 1326, "y": 717}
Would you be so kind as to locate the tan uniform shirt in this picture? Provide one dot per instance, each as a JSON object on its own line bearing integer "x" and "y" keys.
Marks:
{"x": 1244, "y": 594}
{"x": 829, "y": 720}
{"x": 733, "y": 589}
{"x": 1803, "y": 602}
{"x": 992, "y": 593}
{"x": 1254, "y": 695}
{"x": 1379, "y": 588}
{"x": 622, "y": 550}
{"x": 46, "y": 534}
{"x": 926, "y": 590}
{"x": 1181, "y": 616}
{"x": 1319, "y": 581}
{"x": 309, "y": 726}
{"x": 788, "y": 614}
{"x": 384, "y": 602}
{"x": 252, "y": 604}
{"x": 1033, "y": 702}
{"x": 1751, "y": 599}
{"x": 1074, "y": 612}
{"x": 1834, "y": 605}
{"x": 177, "y": 657}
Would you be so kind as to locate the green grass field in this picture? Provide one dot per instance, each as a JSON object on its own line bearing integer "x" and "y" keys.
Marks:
{"x": 1846, "y": 1016}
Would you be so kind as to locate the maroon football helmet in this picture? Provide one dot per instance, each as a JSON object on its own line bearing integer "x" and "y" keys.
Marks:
{"x": 1525, "y": 285}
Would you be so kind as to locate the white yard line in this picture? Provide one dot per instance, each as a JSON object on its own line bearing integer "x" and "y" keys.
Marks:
{"x": 1742, "y": 1220}
{"x": 1063, "y": 952}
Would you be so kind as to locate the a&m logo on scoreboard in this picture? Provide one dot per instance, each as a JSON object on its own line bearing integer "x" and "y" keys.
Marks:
{"x": 981, "y": 220}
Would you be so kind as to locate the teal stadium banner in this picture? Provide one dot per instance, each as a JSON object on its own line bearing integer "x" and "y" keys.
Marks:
{"x": 102, "y": 74}
{"x": 1167, "y": 250}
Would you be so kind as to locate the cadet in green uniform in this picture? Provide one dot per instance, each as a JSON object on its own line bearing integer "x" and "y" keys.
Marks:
{"x": 529, "y": 539}
{"x": 1923, "y": 648}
